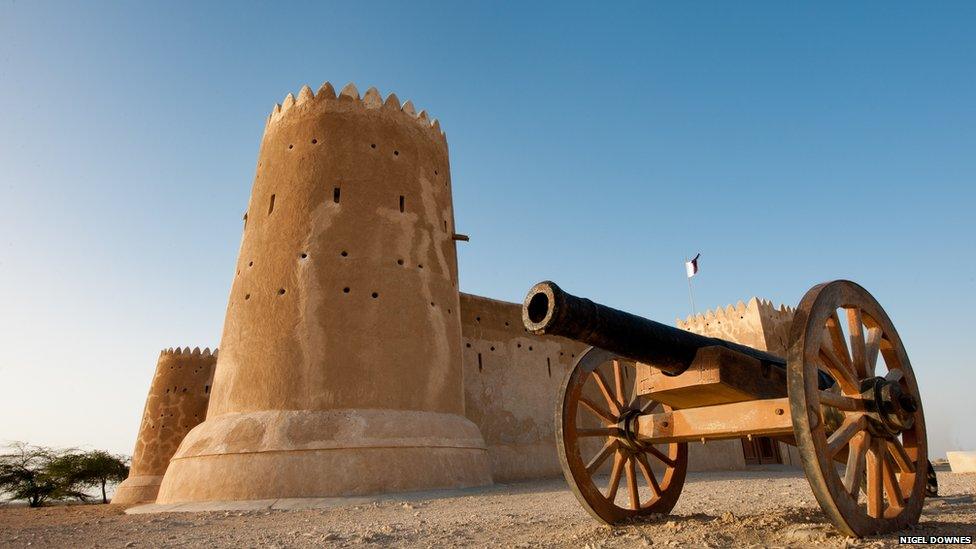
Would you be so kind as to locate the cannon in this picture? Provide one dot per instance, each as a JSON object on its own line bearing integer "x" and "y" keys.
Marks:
{"x": 845, "y": 396}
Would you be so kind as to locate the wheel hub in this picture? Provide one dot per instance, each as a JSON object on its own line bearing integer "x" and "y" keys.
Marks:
{"x": 890, "y": 409}
{"x": 628, "y": 428}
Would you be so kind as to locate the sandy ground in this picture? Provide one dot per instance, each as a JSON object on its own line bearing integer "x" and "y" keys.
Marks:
{"x": 756, "y": 508}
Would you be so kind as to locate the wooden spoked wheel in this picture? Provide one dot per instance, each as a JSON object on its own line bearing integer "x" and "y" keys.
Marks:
{"x": 595, "y": 422}
{"x": 869, "y": 427}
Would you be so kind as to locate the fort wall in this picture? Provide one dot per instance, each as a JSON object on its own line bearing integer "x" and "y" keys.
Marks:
{"x": 177, "y": 402}
{"x": 512, "y": 381}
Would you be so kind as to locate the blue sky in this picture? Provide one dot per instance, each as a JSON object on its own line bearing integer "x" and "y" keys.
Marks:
{"x": 597, "y": 146}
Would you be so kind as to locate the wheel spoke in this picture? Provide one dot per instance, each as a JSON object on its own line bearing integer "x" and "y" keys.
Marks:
{"x": 606, "y": 416}
{"x": 648, "y": 475}
{"x": 618, "y": 382}
{"x": 894, "y": 376}
{"x": 891, "y": 359}
{"x": 660, "y": 455}
{"x": 837, "y": 339}
{"x": 618, "y": 469}
{"x": 841, "y": 373}
{"x": 602, "y": 384}
{"x": 606, "y": 432}
{"x": 841, "y": 402}
{"x": 634, "y": 397}
{"x": 632, "y": 484}
{"x": 649, "y": 406}
{"x": 851, "y": 426}
{"x": 900, "y": 456}
{"x": 855, "y": 463}
{"x": 871, "y": 351}
{"x": 855, "y": 328}
{"x": 875, "y": 461}
{"x": 608, "y": 448}
{"x": 895, "y": 498}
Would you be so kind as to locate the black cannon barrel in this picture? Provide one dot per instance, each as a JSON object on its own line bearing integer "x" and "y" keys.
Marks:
{"x": 549, "y": 310}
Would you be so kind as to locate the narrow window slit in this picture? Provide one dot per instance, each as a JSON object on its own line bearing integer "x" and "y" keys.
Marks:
{"x": 549, "y": 366}
{"x": 271, "y": 205}
{"x": 401, "y": 203}
{"x": 335, "y": 195}
{"x": 480, "y": 366}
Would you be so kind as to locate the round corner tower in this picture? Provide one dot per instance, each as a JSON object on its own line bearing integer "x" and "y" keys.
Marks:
{"x": 177, "y": 402}
{"x": 339, "y": 369}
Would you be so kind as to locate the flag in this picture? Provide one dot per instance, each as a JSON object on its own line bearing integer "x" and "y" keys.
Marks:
{"x": 691, "y": 267}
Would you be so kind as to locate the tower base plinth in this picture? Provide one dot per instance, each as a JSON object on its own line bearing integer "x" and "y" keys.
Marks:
{"x": 301, "y": 453}
{"x": 138, "y": 489}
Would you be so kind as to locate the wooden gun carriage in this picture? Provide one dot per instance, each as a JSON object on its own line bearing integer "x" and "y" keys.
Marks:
{"x": 846, "y": 396}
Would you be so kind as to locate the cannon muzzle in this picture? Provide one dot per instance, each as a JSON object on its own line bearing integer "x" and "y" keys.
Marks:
{"x": 549, "y": 310}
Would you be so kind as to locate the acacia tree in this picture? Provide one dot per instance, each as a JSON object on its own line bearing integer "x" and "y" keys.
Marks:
{"x": 25, "y": 474}
{"x": 38, "y": 474}
{"x": 99, "y": 468}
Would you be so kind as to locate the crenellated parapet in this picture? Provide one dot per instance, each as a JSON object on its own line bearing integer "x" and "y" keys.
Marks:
{"x": 757, "y": 323}
{"x": 187, "y": 352}
{"x": 348, "y": 98}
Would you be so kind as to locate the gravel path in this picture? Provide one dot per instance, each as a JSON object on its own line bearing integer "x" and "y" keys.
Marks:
{"x": 761, "y": 508}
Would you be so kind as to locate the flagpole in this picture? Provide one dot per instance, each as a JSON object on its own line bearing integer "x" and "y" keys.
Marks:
{"x": 691, "y": 269}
